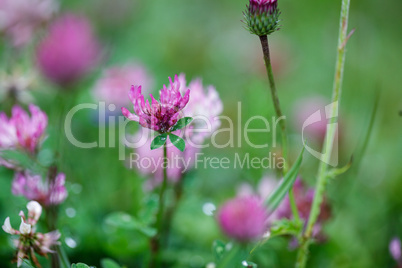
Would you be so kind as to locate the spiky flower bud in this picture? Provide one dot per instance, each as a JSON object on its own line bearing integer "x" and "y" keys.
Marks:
{"x": 262, "y": 17}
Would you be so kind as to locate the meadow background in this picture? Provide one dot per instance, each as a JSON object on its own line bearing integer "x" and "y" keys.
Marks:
{"x": 206, "y": 38}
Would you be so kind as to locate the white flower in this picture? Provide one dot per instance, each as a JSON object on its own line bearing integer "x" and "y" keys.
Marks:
{"x": 7, "y": 226}
{"x": 31, "y": 242}
{"x": 34, "y": 210}
{"x": 25, "y": 228}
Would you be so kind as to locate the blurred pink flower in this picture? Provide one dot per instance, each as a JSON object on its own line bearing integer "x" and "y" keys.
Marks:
{"x": 161, "y": 115}
{"x": 22, "y": 130}
{"x": 149, "y": 162}
{"x": 8, "y": 132}
{"x": 20, "y": 18}
{"x": 112, "y": 86}
{"x": 304, "y": 199}
{"x": 204, "y": 107}
{"x": 30, "y": 130}
{"x": 243, "y": 218}
{"x": 395, "y": 249}
{"x": 264, "y": 188}
{"x": 306, "y": 108}
{"x": 69, "y": 51}
{"x": 34, "y": 188}
{"x": 30, "y": 241}
{"x": 303, "y": 196}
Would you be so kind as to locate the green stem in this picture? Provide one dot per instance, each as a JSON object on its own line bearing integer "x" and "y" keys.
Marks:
{"x": 66, "y": 99}
{"x": 156, "y": 240}
{"x": 162, "y": 191}
{"x": 63, "y": 257}
{"x": 280, "y": 117}
{"x": 51, "y": 218}
{"x": 329, "y": 138}
{"x": 293, "y": 205}
{"x": 275, "y": 99}
{"x": 178, "y": 193}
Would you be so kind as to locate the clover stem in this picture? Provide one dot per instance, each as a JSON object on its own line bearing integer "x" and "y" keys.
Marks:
{"x": 156, "y": 240}
{"x": 322, "y": 177}
{"x": 162, "y": 191}
{"x": 280, "y": 117}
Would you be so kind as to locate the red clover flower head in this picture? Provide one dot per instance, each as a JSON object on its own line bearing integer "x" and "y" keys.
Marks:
{"x": 244, "y": 218}
{"x": 21, "y": 19}
{"x": 49, "y": 193}
{"x": 30, "y": 241}
{"x": 262, "y": 17}
{"x": 204, "y": 107}
{"x": 22, "y": 130}
{"x": 160, "y": 115}
{"x": 69, "y": 51}
{"x": 395, "y": 249}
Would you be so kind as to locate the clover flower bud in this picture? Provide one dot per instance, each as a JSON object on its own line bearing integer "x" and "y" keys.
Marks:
{"x": 262, "y": 17}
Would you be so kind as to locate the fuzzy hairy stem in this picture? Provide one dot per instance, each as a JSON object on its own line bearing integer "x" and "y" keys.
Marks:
{"x": 322, "y": 177}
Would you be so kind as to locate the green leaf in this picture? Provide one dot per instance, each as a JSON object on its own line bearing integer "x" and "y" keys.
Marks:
{"x": 109, "y": 263}
{"x": 159, "y": 141}
{"x": 27, "y": 264}
{"x": 23, "y": 160}
{"x": 284, "y": 187}
{"x": 218, "y": 249}
{"x": 46, "y": 157}
{"x": 367, "y": 133}
{"x": 177, "y": 141}
{"x": 233, "y": 257}
{"x": 149, "y": 209}
{"x": 338, "y": 171}
{"x": 286, "y": 227}
{"x": 128, "y": 222}
{"x": 181, "y": 123}
{"x": 79, "y": 265}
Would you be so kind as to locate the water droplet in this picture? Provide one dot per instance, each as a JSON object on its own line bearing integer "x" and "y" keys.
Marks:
{"x": 70, "y": 212}
{"x": 112, "y": 107}
{"x": 76, "y": 188}
{"x": 210, "y": 265}
{"x": 208, "y": 209}
{"x": 70, "y": 242}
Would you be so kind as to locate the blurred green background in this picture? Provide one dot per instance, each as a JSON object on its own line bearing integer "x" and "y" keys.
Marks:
{"x": 207, "y": 39}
